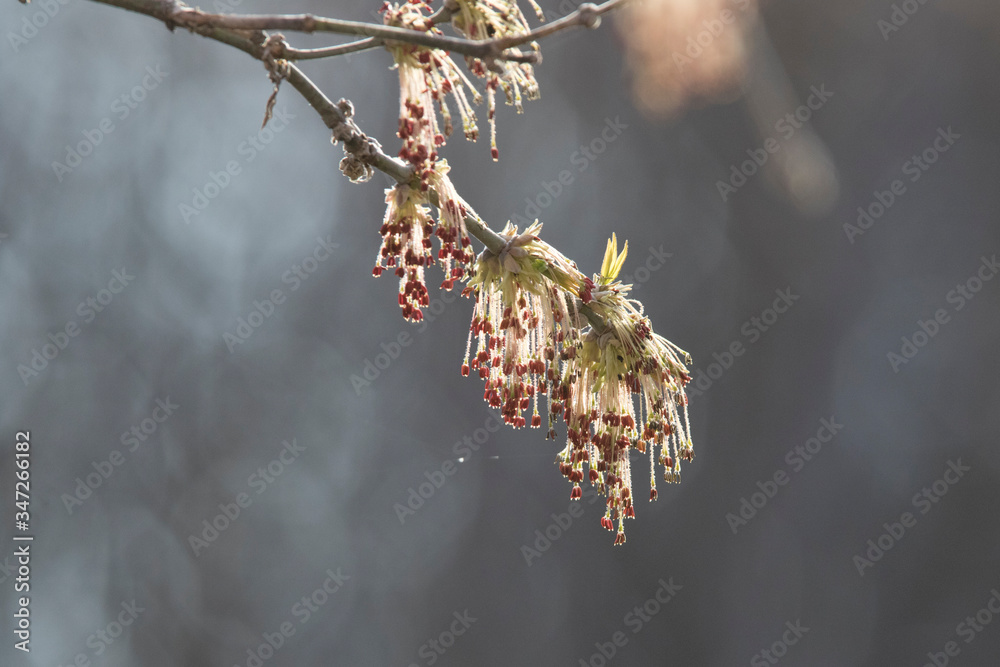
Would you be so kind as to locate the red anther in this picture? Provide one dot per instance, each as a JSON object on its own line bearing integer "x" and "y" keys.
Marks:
{"x": 536, "y": 421}
{"x": 377, "y": 271}
{"x": 594, "y": 475}
{"x": 620, "y": 538}
{"x": 652, "y": 494}
{"x": 495, "y": 153}
{"x": 465, "y": 370}
{"x": 576, "y": 494}
{"x": 629, "y": 512}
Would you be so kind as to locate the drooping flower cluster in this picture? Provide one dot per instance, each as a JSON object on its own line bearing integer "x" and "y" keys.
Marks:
{"x": 623, "y": 362}
{"x": 591, "y": 376}
{"x": 407, "y": 233}
{"x": 494, "y": 19}
{"x": 523, "y": 313}
{"x": 426, "y": 77}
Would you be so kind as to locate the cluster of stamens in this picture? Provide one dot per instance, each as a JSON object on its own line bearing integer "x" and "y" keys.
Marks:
{"x": 494, "y": 19}
{"x": 532, "y": 342}
{"x": 427, "y": 76}
{"x": 407, "y": 232}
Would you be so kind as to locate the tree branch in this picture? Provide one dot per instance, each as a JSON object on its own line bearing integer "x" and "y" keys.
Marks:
{"x": 442, "y": 15}
{"x": 178, "y": 14}
{"x": 334, "y": 116}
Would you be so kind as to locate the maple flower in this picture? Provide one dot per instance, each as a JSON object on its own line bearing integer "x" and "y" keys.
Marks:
{"x": 426, "y": 77}
{"x": 494, "y": 19}
{"x": 455, "y": 243}
{"x": 600, "y": 383}
{"x": 407, "y": 233}
{"x": 406, "y": 246}
{"x": 524, "y": 312}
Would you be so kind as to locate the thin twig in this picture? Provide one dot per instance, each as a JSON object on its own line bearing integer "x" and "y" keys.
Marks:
{"x": 442, "y": 15}
{"x": 331, "y": 51}
{"x": 178, "y": 14}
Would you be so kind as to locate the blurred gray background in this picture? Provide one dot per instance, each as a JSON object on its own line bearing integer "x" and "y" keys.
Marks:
{"x": 328, "y": 513}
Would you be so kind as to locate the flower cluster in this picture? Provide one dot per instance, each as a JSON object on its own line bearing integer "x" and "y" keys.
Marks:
{"x": 494, "y": 19}
{"x": 426, "y": 77}
{"x": 407, "y": 231}
{"x": 592, "y": 376}
{"x": 613, "y": 367}
{"x": 543, "y": 329}
{"x": 523, "y": 314}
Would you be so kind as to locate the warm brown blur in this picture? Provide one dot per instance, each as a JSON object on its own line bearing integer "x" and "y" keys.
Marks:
{"x": 685, "y": 52}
